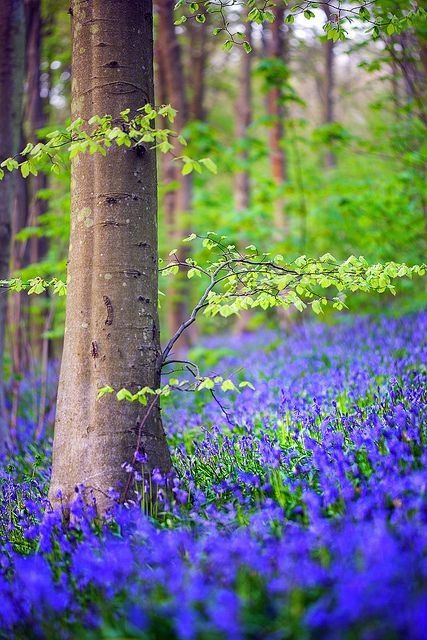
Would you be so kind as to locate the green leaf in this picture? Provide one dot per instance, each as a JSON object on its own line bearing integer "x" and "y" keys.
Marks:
{"x": 207, "y": 383}
{"x": 187, "y": 168}
{"x": 189, "y": 238}
{"x": 60, "y": 288}
{"x": 104, "y": 391}
{"x": 125, "y": 394}
{"x": 37, "y": 286}
{"x": 25, "y": 169}
{"x": 193, "y": 272}
{"x": 209, "y": 164}
{"x": 245, "y": 383}
{"x": 228, "y": 385}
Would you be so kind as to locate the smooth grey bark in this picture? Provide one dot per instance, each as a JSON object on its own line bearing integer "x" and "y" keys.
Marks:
{"x": 12, "y": 42}
{"x": 112, "y": 325}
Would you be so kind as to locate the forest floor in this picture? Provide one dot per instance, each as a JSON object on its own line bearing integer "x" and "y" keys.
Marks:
{"x": 301, "y": 515}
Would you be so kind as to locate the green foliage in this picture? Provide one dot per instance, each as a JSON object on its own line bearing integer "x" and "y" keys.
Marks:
{"x": 100, "y": 133}
{"x": 35, "y": 285}
{"x": 378, "y": 18}
{"x": 238, "y": 280}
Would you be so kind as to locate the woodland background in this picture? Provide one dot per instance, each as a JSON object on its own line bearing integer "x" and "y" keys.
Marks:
{"x": 319, "y": 145}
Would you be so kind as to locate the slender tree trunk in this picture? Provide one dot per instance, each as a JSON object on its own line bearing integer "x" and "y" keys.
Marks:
{"x": 12, "y": 34}
{"x": 112, "y": 327}
{"x": 17, "y": 326}
{"x": 175, "y": 80}
{"x": 243, "y": 121}
{"x": 198, "y": 37}
{"x": 167, "y": 160}
{"x": 35, "y": 116}
{"x": 276, "y": 112}
{"x": 329, "y": 106}
{"x": 26, "y": 328}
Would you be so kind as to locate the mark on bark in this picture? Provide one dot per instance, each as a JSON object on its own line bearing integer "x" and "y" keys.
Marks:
{"x": 94, "y": 349}
{"x": 112, "y": 223}
{"x": 4, "y": 231}
{"x": 118, "y": 87}
{"x": 132, "y": 272}
{"x": 110, "y": 311}
{"x": 140, "y": 150}
{"x": 112, "y": 198}
{"x": 111, "y": 65}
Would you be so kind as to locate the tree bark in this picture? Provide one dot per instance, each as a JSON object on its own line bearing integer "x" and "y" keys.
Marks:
{"x": 12, "y": 35}
{"x": 112, "y": 326}
{"x": 243, "y": 121}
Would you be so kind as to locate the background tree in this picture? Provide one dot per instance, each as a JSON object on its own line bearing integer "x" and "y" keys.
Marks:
{"x": 329, "y": 99}
{"x": 180, "y": 204}
{"x": 275, "y": 105}
{"x": 243, "y": 120}
{"x": 12, "y": 38}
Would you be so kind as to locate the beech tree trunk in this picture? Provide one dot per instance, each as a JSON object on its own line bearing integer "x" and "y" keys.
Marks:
{"x": 112, "y": 326}
{"x": 276, "y": 112}
{"x": 12, "y": 39}
{"x": 243, "y": 121}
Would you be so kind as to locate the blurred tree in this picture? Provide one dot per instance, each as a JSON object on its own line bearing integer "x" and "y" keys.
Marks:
{"x": 12, "y": 43}
{"x": 243, "y": 122}
{"x": 179, "y": 206}
{"x": 329, "y": 80}
{"x": 25, "y": 335}
{"x": 275, "y": 104}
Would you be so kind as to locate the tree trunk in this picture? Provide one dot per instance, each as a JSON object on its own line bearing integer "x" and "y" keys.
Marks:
{"x": 167, "y": 160}
{"x": 175, "y": 80}
{"x": 17, "y": 334}
{"x": 26, "y": 329}
{"x": 35, "y": 117}
{"x": 12, "y": 34}
{"x": 198, "y": 37}
{"x": 243, "y": 121}
{"x": 329, "y": 106}
{"x": 112, "y": 327}
{"x": 276, "y": 112}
